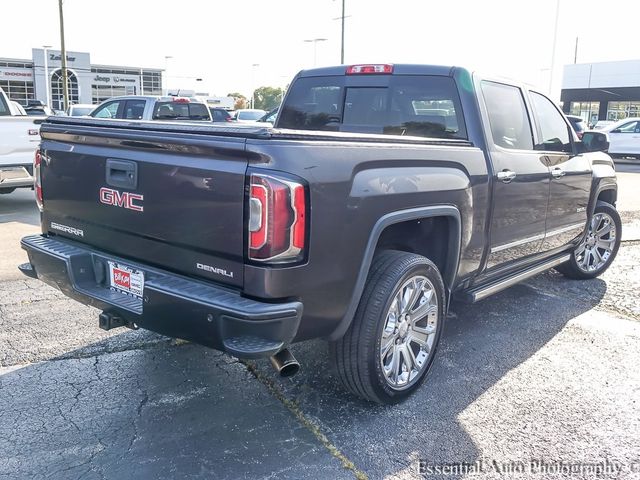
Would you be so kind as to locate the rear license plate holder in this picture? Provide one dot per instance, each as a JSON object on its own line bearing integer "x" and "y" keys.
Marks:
{"x": 126, "y": 280}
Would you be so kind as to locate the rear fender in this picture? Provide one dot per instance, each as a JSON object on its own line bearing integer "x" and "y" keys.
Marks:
{"x": 453, "y": 255}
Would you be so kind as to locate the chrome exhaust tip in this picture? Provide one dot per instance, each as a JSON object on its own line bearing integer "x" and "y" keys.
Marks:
{"x": 285, "y": 363}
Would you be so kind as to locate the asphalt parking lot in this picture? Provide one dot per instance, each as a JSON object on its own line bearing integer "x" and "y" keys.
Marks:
{"x": 546, "y": 372}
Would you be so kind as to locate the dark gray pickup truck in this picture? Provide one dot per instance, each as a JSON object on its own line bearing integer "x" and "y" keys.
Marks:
{"x": 381, "y": 192}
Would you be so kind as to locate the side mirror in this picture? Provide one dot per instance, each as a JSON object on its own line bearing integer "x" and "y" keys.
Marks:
{"x": 595, "y": 142}
{"x": 617, "y": 130}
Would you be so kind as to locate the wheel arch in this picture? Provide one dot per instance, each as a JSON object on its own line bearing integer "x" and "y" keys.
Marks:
{"x": 449, "y": 212}
{"x": 608, "y": 193}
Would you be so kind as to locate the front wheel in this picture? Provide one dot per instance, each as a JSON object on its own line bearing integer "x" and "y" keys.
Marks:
{"x": 387, "y": 351}
{"x": 597, "y": 251}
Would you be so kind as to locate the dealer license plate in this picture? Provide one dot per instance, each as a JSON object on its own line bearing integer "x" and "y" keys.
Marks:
{"x": 126, "y": 280}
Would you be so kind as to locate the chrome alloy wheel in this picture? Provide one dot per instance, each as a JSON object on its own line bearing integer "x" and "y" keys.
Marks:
{"x": 593, "y": 254}
{"x": 409, "y": 332}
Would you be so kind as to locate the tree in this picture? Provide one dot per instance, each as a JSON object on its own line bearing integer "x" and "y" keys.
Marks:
{"x": 240, "y": 100}
{"x": 267, "y": 98}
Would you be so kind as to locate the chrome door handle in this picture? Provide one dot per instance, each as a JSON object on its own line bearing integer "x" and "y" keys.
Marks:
{"x": 558, "y": 172}
{"x": 505, "y": 176}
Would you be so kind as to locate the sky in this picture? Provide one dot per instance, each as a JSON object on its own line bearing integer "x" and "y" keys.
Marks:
{"x": 238, "y": 45}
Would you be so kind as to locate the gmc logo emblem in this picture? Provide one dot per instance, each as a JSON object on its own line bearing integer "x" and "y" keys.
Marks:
{"x": 126, "y": 200}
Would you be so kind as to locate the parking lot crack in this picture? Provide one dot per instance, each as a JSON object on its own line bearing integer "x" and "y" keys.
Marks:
{"x": 305, "y": 421}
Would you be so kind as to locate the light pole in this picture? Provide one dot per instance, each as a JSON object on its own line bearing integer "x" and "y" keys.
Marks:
{"x": 553, "y": 51}
{"x": 63, "y": 58}
{"x": 315, "y": 47}
{"x": 166, "y": 73}
{"x": 253, "y": 88}
{"x": 46, "y": 75}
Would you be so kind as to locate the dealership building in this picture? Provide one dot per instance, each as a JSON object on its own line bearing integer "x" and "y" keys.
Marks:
{"x": 24, "y": 80}
{"x": 602, "y": 91}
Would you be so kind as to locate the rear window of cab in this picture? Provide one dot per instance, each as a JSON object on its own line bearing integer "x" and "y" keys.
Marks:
{"x": 415, "y": 105}
{"x": 181, "y": 111}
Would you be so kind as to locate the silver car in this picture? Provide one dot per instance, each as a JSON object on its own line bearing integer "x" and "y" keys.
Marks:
{"x": 140, "y": 107}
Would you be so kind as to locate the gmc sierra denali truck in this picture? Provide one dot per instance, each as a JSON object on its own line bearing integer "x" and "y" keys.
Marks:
{"x": 19, "y": 137}
{"x": 381, "y": 192}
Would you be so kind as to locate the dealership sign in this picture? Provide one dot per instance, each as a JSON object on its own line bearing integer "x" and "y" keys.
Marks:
{"x": 112, "y": 79}
{"x": 16, "y": 74}
{"x": 54, "y": 56}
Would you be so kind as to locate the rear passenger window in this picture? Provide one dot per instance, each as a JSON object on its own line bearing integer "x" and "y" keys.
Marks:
{"x": 553, "y": 129}
{"x": 134, "y": 109}
{"x": 424, "y": 106}
{"x": 508, "y": 119}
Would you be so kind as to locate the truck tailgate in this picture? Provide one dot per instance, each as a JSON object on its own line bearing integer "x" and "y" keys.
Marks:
{"x": 164, "y": 198}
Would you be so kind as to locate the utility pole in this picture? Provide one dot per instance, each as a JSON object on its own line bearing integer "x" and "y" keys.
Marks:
{"x": 63, "y": 59}
{"x": 553, "y": 51}
{"x": 341, "y": 18}
{"x": 342, "y": 41}
{"x": 575, "y": 54}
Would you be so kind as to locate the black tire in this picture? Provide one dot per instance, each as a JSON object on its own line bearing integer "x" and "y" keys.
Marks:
{"x": 571, "y": 269}
{"x": 5, "y": 191}
{"x": 356, "y": 356}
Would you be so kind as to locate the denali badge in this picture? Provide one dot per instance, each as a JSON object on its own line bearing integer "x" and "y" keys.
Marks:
{"x": 126, "y": 200}
{"x": 65, "y": 228}
{"x": 219, "y": 271}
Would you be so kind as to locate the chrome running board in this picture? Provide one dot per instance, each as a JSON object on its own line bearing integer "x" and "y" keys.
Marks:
{"x": 483, "y": 292}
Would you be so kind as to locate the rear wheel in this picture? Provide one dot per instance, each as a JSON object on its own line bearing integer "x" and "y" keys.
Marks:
{"x": 596, "y": 253}
{"x": 387, "y": 351}
{"x": 4, "y": 191}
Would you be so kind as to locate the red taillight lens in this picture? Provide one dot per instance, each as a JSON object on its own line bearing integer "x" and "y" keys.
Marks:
{"x": 369, "y": 69}
{"x": 299, "y": 225}
{"x": 277, "y": 219}
{"x": 37, "y": 180}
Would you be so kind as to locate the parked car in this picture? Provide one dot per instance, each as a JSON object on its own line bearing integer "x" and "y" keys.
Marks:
{"x": 600, "y": 124}
{"x": 248, "y": 115}
{"x": 624, "y": 138}
{"x": 578, "y": 124}
{"x": 220, "y": 115}
{"x": 270, "y": 116}
{"x": 19, "y": 138}
{"x": 356, "y": 219}
{"x": 138, "y": 107}
{"x": 80, "y": 109}
{"x": 38, "y": 109}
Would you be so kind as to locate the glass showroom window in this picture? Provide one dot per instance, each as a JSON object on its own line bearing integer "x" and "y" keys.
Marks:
{"x": 152, "y": 82}
{"x": 57, "y": 101}
{"x": 18, "y": 91}
{"x": 622, "y": 110}
{"x": 587, "y": 110}
{"x": 100, "y": 93}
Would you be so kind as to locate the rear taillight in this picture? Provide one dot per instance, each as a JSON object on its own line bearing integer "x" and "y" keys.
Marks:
{"x": 277, "y": 219}
{"x": 37, "y": 179}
